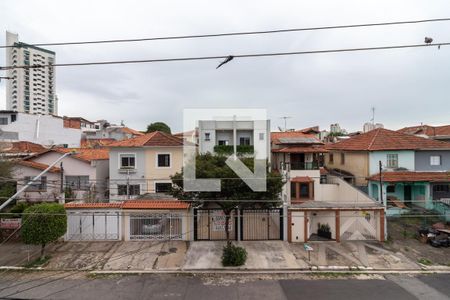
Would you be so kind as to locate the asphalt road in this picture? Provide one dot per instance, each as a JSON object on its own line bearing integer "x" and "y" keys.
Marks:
{"x": 78, "y": 286}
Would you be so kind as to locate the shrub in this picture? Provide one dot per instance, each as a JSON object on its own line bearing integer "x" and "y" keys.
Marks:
{"x": 43, "y": 223}
{"x": 18, "y": 209}
{"x": 233, "y": 255}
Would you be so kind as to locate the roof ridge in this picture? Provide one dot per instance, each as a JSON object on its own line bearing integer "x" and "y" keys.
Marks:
{"x": 374, "y": 137}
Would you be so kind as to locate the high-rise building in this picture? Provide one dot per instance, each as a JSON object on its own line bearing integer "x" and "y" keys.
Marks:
{"x": 30, "y": 90}
{"x": 371, "y": 126}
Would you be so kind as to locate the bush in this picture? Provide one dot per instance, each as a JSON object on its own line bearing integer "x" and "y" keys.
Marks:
{"x": 43, "y": 223}
{"x": 19, "y": 208}
{"x": 233, "y": 255}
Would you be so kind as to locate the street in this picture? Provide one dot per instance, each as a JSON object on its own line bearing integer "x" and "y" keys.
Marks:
{"x": 76, "y": 285}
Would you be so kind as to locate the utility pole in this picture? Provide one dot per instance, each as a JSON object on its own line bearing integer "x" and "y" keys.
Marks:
{"x": 34, "y": 179}
{"x": 62, "y": 197}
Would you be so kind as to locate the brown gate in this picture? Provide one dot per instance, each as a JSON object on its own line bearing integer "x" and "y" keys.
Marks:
{"x": 209, "y": 224}
{"x": 261, "y": 224}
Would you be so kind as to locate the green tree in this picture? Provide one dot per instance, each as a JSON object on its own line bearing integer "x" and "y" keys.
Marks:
{"x": 43, "y": 223}
{"x": 235, "y": 193}
{"x": 7, "y": 183}
{"x": 159, "y": 126}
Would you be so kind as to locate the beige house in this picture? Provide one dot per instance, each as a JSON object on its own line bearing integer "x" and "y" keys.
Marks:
{"x": 144, "y": 164}
{"x": 352, "y": 165}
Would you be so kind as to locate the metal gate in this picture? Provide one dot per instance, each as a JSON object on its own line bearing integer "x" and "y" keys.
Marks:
{"x": 359, "y": 226}
{"x": 156, "y": 226}
{"x": 90, "y": 226}
{"x": 255, "y": 224}
{"x": 209, "y": 224}
{"x": 261, "y": 224}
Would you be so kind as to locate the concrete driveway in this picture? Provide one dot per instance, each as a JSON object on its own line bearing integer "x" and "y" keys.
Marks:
{"x": 261, "y": 255}
{"x": 354, "y": 253}
{"x": 139, "y": 255}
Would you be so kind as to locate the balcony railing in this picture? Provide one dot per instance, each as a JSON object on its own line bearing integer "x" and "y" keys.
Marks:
{"x": 305, "y": 165}
{"x": 228, "y": 149}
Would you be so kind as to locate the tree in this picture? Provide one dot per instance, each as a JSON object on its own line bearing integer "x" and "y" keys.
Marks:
{"x": 158, "y": 126}
{"x": 7, "y": 183}
{"x": 43, "y": 223}
{"x": 232, "y": 187}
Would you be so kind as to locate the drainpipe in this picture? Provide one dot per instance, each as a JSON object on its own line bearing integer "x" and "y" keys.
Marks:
{"x": 383, "y": 200}
{"x": 34, "y": 179}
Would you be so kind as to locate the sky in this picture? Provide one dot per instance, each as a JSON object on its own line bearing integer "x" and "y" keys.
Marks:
{"x": 406, "y": 86}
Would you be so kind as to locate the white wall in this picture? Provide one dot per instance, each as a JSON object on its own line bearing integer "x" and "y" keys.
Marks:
{"x": 53, "y": 184}
{"x": 41, "y": 129}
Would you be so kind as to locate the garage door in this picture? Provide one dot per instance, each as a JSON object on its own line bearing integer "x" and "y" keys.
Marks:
{"x": 90, "y": 226}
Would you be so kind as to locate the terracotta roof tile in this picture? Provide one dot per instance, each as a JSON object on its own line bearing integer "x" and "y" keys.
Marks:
{"x": 132, "y": 131}
{"x": 156, "y": 138}
{"x": 412, "y": 176}
{"x": 24, "y": 147}
{"x": 298, "y": 149}
{"x": 93, "y": 205}
{"x": 302, "y": 179}
{"x": 36, "y": 165}
{"x": 86, "y": 154}
{"x": 152, "y": 204}
{"x": 95, "y": 143}
{"x": 384, "y": 139}
{"x": 427, "y": 130}
{"x": 277, "y": 137}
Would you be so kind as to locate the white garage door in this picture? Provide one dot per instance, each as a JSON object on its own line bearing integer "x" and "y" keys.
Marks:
{"x": 90, "y": 226}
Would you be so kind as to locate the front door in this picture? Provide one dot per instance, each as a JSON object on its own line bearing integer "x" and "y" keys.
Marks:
{"x": 407, "y": 194}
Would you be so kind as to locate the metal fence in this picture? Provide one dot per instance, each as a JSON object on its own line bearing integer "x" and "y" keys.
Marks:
{"x": 156, "y": 226}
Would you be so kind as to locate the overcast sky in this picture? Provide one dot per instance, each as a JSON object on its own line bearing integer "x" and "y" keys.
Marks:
{"x": 406, "y": 86}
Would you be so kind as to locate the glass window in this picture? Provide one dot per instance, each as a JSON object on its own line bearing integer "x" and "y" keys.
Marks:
{"x": 3, "y": 121}
{"x": 133, "y": 189}
{"x": 304, "y": 190}
{"x": 244, "y": 141}
{"x": 163, "y": 160}
{"x": 435, "y": 160}
{"x": 261, "y": 136}
{"x": 441, "y": 188}
{"x": 78, "y": 182}
{"x": 207, "y": 136}
{"x": 39, "y": 185}
{"x": 163, "y": 187}
{"x": 223, "y": 142}
{"x": 127, "y": 161}
{"x": 392, "y": 161}
{"x": 390, "y": 189}
{"x": 342, "y": 158}
{"x": 293, "y": 190}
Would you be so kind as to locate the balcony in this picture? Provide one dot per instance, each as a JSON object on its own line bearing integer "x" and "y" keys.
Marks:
{"x": 228, "y": 149}
{"x": 305, "y": 165}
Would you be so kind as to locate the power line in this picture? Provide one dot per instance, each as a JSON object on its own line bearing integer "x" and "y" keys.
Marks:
{"x": 225, "y": 34}
{"x": 254, "y": 55}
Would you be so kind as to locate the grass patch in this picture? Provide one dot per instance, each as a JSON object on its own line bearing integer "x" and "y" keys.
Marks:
{"x": 39, "y": 262}
{"x": 425, "y": 261}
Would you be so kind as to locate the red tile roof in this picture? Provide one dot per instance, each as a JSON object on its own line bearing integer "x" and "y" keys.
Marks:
{"x": 298, "y": 149}
{"x": 384, "y": 139}
{"x": 412, "y": 176}
{"x": 93, "y": 205}
{"x": 36, "y": 165}
{"x": 24, "y": 147}
{"x": 96, "y": 143}
{"x": 152, "y": 204}
{"x": 427, "y": 130}
{"x": 132, "y": 131}
{"x": 156, "y": 138}
{"x": 276, "y": 136}
{"x": 302, "y": 179}
{"x": 86, "y": 154}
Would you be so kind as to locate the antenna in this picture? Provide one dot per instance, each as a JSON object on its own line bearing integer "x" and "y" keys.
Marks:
{"x": 373, "y": 115}
{"x": 285, "y": 121}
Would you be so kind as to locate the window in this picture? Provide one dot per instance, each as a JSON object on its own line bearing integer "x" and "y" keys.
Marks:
{"x": 223, "y": 142}
{"x": 293, "y": 190}
{"x": 331, "y": 158}
{"x": 342, "y": 158}
{"x": 244, "y": 141}
{"x": 163, "y": 161}
{"x": 163, "y": 187}
{"x": 441, "y": 188}
{"x": 39, "y": 185}
{"x": 133, "y": 189}
{"x": 127, "y": 161}
{"x": 207, "y": 136}
{"x": 3, "y": 121}
{"x": 392, "y": 161}
{"x": 13, "y": 118}
{"x": 78, "y": 182}
{"x": 304, "y": 190}
{"x": 435, "y": 160}
{"x": 261, "y": 136}
{"x": 390, "y": 189}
